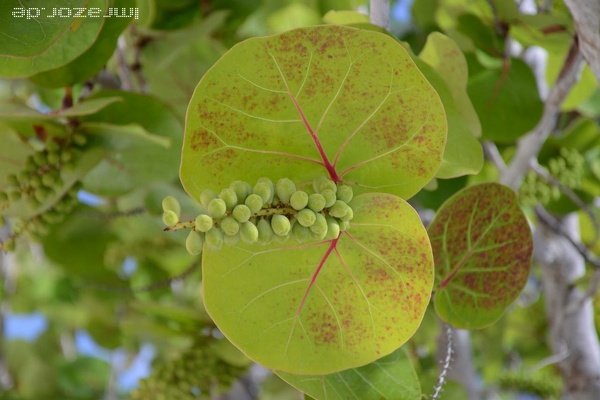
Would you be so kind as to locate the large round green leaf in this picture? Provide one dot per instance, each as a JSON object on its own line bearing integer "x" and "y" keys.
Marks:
{"x": 37, "y": 37}
{"x": 507, "y": 101}
{"x": 463, "y": 153}
{"x": 389, "y": 378}
{"x": 322, "y": 307}
{"x": 342, "y": 99}
{"x": 93, "y": 59}
{"x": 482, "y": 247}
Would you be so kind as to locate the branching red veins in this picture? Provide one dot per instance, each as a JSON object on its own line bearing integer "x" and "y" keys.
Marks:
{"x": 313, "y": 278}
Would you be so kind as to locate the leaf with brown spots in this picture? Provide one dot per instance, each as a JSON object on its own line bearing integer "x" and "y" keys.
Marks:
{"x": 322, "y": 307}
{"x": 389, "y": 378}
{"x": 329, "y": 100}
{"x": 482, "y": 247}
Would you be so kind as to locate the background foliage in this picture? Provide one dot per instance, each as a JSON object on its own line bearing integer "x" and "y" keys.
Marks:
{"x": 92, "y": 263}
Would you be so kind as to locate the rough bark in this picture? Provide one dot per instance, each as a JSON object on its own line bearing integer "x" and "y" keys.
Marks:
{"x": 570, "y": 314}
{"x": 586, "y": 14}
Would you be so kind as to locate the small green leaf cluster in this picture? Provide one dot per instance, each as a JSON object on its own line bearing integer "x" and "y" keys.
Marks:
{"x": 264, "y": 212}
{"x": 568, "y": 169}
{"x": 192, "y": 375}
{"x": 542, "y": 386}
{"x": 40, "y": 181}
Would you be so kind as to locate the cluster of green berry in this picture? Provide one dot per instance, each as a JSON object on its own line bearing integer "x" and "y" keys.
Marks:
{"x": 195, "y": 374}
{"x": 40, "y": 181}
{"x": 542, "y": 386}
{"x": 568, "y": 169}
{"x": 264, "y": 212}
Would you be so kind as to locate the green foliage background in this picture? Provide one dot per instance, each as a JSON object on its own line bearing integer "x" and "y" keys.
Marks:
{"x": 126, "y": 83}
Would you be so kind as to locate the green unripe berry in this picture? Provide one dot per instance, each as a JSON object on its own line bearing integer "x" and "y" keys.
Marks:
{"x": 231, "y": 240}
{"x": 13, "y": 180}
{"x": 299, "y": 200}
{"x": 8, "y": 245}
{"x": 349, "y": 214}
{"x": 53, "y": 158}
{"x": 204, "y": 223}
{"x": 319, "y": 228}
{"x": 344, "y": 225}
{"x": 344, "y": 193}
{"x": 217, "y": 208}
{"x": 229, "y": 197}
{"x": 283, "y": 239}
{"x": 316, "y": 202}
{"x": 254, "y": 203}
{"x": 318, "y": 181}
{"x": 47, "y": 180}
{"x": 306, "y": 217}
{"x": 32, "y": 202}
{"x": 68, "y": 167}
{"x": 14, "y": 196}
{"x": 170, "y": 218}
{"x": 23, "y": 177}
{"x": 284, "y": 189}
{"x": 65, "y": 156}
{"x": 206, "y": 196}
{"x": 241, "y": 190}
{"x": 300, "y": 233}
{"x": 35, "y": 181}
{"x": 214, "y": 239}
{"x": 30, "y": 165}
{"x": 329, "y": 185}
{"x": 333, "y": 228}
{"x": 268, "y": 182}
{"x": 52, "y": 146}
{"x": 264, "y": 191}
{"x": 265, "y": 232}
{"x": 281, "y": 224}
{"x": 330, "y": 197}
{"x": 241, "y": 213}
{"x": 249, "y": 232}
{"x": 338, "y": 209}
{"x": 79, "y": 139}
{"x": 229, "y": 226}
{"x": 194, "y": 242}
{"x": 170, "y": 203}
{"x": 39, "y": 159}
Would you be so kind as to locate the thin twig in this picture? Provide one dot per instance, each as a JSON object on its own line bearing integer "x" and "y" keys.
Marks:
{"x": 529, "y": 146}
{"x": 551, "y": 360}
{"x": 551, "y": 179}
{"x": 123, "y": 68}
{"x": 136, "y": 67}
{"x": 437, "y": 389}
{"x": 553, "y": 223}
{"x": 491, "y": 153}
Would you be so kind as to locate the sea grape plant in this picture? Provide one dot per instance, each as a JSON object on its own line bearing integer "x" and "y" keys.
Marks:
{"x": 283, "y": 119}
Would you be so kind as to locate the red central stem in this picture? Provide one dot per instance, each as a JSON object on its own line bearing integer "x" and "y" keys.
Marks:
{"x": 328, "y": 166}
{"x": 313, "y": 278}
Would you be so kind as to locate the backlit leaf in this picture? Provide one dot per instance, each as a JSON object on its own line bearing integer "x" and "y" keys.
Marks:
{"x": 329, "y": 98}
{"x": 482, "y": 247}
{"x": 389, "y": 378}
{"x": 322, "y": 307}
{"x": 36, "y": 39}
{"x": 506, "y": 100}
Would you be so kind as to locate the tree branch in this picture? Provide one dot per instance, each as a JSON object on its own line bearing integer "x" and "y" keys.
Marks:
{"x": 529, "y": 146}
{"x": 379, "y": 13}
{"x": 586, "y": 14}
